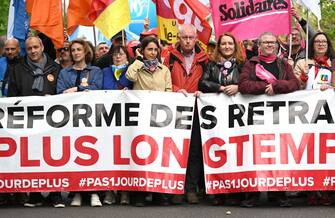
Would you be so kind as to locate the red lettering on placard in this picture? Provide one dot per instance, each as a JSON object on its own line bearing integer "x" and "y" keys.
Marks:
{"x": 24, "y": 157}
{"x": 259, "y": 149}
{"x": 324, "y": 148}
{"x": 169, "y": 146}
{"x": 11, "y": 147}
{"x": 239, "y": 140}
{"x": 221, "y": 154}
{"x": 65, "y": 152}
{"x": 306, "y": 144}
{"x": 117, "y": 152}
{"x": 81, "y": 148}
{"x": 153, "y": 150}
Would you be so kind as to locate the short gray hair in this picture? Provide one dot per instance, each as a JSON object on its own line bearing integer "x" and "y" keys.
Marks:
{"x": 266, "y": 34}
{"x": 182, "y": 27}
{"x": 12, "y": 39}
{"x": 34, "y": 37}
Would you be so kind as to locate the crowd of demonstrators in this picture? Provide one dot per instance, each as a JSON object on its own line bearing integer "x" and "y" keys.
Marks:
{"x": 186, "y": 69}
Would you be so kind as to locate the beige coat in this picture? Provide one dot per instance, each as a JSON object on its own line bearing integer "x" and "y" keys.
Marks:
{"x": 160, "y": 80}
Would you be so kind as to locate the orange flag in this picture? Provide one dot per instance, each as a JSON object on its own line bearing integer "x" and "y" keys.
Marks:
{"x": 46, "y": 17}
{"x": 77, "y": 13}
{"x": 29, "y": 5}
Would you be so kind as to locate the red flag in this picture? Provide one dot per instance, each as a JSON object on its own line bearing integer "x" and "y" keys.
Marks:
{"x": 78, "y": 14}
{"x": 193, "y": 12}
{"x": 167, "y": 24}
{"x": 46, "y": 17}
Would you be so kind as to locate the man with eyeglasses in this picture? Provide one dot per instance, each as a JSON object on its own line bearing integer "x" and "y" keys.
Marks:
{"x": 270, "y": 75}
{"x": 187, "y": 62}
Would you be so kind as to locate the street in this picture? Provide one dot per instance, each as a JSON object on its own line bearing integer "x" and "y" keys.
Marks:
{"x": 201, "y": 210}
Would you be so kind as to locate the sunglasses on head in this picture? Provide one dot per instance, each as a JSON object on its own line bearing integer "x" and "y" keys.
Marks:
{"x": 63, "y": 49}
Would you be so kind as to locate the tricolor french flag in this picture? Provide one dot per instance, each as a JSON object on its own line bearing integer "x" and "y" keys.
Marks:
{"x": 18, "y": 22}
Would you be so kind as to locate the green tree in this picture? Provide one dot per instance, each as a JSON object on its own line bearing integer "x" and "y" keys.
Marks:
{"x": 3, "y": 16}
{"x": 327, "y": 23}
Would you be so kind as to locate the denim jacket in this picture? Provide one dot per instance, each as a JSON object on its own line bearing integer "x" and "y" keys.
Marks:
{"x": 90, "y": 79}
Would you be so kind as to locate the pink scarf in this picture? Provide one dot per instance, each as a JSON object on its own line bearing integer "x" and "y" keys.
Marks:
{"x": 264, "y": 75}
{"x": 266, "y": 59}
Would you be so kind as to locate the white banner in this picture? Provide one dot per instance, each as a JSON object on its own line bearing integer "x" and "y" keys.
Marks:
{"x": 98, "y": 140}
{"x": 268, "y": 143}
{"x": 313, "y": 6}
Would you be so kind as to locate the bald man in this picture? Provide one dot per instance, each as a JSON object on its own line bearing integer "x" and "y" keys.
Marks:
{"x": 11, "y": 57}
{"x": 36, "y": 74}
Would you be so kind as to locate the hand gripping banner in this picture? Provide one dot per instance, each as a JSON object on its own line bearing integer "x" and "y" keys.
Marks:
{"x": 98, "y": 140}
{"x": 262, "y": 143}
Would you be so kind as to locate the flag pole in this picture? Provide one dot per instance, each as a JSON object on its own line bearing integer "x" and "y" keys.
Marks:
{"x": 319, "y": 26}
{"x": 307, "y": 29}
{"x": 123, "y": 38}
{"x": 64, "y": 10}
{"x": 148, "y": 9}
{"x": 290, "y": 47}
{"x": 95, "y": 38}
{"x": 64, "y": 20}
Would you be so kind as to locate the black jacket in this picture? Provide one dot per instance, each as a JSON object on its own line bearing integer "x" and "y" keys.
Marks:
{"x": 22, "y": 79}
{"x": 10, "y": 69}
{"x": 212, "y": 79}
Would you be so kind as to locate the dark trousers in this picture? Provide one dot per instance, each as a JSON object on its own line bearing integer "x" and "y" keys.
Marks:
{"x": 195, "y": 168}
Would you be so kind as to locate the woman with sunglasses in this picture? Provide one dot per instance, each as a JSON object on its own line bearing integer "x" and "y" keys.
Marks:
{"x": 317, "y": 73}
{"x": 81, "y": 76}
